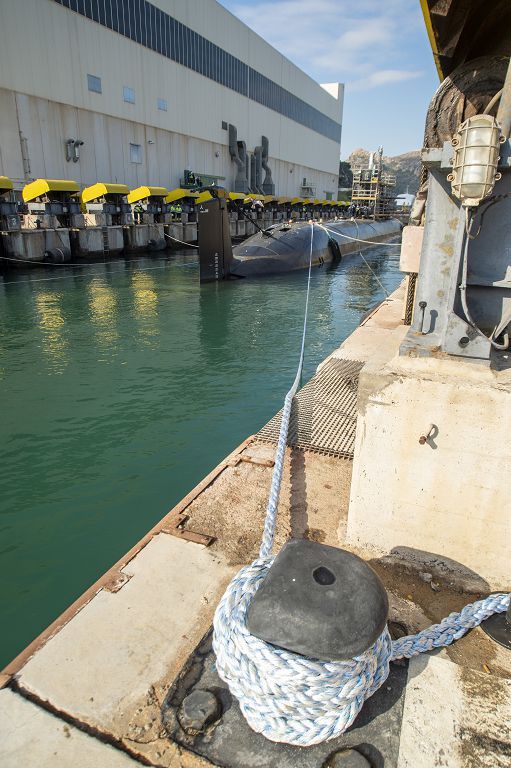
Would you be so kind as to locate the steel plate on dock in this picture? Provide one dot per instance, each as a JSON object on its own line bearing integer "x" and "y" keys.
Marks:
{"x": 201, "y": 703}
{"x": 323, "y": 418}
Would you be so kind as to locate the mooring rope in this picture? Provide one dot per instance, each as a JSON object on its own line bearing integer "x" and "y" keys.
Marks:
{"x": 296, "y": 699}
{"x": 370, "y": 242}
{"x": 358, "y": 239}
{"x": 276, "y": 481}
{"x": 188, "y": 245}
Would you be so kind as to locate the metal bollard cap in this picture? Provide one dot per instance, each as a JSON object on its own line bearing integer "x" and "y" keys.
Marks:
{"x": 319, "y": 601}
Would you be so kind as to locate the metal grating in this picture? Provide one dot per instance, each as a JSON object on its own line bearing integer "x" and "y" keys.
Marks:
{"x": 323, "y": 418}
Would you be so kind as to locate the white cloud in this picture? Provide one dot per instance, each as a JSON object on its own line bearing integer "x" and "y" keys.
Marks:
{"x": 383, "y": 77}
{"x": 339, "y": 40}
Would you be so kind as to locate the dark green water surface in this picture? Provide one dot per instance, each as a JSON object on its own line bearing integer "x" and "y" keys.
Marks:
{"x": 121, "y": 386}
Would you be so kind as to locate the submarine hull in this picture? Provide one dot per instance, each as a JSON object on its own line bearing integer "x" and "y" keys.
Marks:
{"x": 287, "y": 246}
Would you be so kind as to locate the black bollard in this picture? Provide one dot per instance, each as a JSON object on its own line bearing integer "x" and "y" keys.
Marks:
{"x": 319, "y": 601}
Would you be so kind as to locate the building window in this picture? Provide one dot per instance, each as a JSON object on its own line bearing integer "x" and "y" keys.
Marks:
{"x": 224, "y": 125}
{"x": 135, "y": 153}
{"x": 162, "y": 104}
{"x": 94, "y": 83}
{"x": 128, "y": 94}
{"x": 141, "y": 21}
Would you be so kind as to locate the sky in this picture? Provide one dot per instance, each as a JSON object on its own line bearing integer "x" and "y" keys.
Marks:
{"x": 378, "y": 48}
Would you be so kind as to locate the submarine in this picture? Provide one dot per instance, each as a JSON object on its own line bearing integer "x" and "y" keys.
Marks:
{"x": 282, "y": 247}
{"x": 286, "y": 246}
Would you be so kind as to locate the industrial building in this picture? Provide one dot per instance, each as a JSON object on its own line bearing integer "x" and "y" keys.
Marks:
{"x": 165, "y": 93}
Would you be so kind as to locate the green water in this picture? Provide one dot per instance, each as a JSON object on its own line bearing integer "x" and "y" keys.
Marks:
{"x": 121, "y": 386}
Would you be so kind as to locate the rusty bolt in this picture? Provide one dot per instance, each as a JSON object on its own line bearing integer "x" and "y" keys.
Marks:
{"x": 198, "y": 710}
{"x": 347, "y": 758}
{"x": 425, "y": 437}
{"x": 422, "y": 305}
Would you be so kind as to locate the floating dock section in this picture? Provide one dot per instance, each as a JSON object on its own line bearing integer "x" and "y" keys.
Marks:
{"x": 56, "y": 222}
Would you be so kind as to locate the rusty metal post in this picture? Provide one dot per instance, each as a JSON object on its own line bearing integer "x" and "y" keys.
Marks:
{"x": 504, "y": 111}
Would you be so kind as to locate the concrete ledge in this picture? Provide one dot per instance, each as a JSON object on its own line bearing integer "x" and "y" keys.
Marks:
{"x": 454, "y": 717}
{"x": 101, "y": 665}
{"x": 378, "y": 336}
{"x": 447, "y": 498}
{"x": 33, "y": 738}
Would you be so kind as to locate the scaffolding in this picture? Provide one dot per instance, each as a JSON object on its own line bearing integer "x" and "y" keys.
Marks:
{"x": 373, "y": 188}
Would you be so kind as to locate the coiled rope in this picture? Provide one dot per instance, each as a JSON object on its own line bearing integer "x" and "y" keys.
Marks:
{"x": 295, "y": 699}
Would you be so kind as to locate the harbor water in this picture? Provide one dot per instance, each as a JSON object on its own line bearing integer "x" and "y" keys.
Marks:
{"x": 122, "y": 384}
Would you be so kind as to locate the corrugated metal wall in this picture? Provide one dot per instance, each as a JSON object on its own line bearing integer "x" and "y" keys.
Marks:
{"x": 47, "y": 53}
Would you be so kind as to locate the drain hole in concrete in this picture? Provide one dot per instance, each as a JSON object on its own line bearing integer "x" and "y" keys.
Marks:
{"x": 397, "y": 629}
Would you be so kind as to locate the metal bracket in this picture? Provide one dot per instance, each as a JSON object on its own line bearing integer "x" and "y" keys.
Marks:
{"x": 250, "y": 460}
{"x": 463, "y": 340}
{"x": 116, "y": 582}
{"x": 200, "y": 714}
{"x": 175, "y": 527}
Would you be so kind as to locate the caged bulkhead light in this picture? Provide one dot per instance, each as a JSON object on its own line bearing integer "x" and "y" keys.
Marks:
{"x": 476, "y": 156}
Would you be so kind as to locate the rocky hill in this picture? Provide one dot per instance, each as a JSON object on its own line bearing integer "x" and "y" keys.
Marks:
{"x": 405, "y": 167}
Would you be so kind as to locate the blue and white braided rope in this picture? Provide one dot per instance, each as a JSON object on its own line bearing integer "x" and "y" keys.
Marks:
{"x": 302, "y": 701}
{"x": 276, "y": 480}
{"x": 295, "y": 699}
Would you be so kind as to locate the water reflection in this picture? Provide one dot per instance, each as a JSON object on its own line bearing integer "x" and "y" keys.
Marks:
{"x": 363, "y": 279}
{"x": 215, "y": 305}
{"x": 96, "y": 455}
{"x": 51, "y": 323}
{"x": 145, "y": 301}
{"x": 361, "y": 286}
{"x": 103, "y": 312}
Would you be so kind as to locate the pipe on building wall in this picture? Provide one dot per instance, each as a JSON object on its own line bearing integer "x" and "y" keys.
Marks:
{"x": 69, "y": 149}
{"x": 258, "y": 169}
{"x": 252, "y": 173}
{"x": 76, "y": 150}
{"x": 268, "y": 186}
{"x": 25, "y": 157}
{"x": 73, "y": 149}
{"x": 238, "y": 152}
{"x": 242, "y": 154}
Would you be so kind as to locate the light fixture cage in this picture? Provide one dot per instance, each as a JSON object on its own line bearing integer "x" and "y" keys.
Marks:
{"x": 475, "y": 160}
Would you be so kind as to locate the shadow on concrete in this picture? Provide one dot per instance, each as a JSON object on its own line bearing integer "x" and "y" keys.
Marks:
{"x": 436, "y": 585}
{"x": 443, "y": 567}
{"x": 299, "y": 521}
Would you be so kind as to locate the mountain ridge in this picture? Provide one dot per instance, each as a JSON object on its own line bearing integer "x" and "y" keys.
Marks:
{"x": 406, "y": 168}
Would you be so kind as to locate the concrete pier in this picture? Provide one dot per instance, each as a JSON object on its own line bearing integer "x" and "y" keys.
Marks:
{"x": 143, "y": 237}
{"x": 96, "y": 241}
{"x": 31, "y": 245}
{"x": 76, "y": 244}
{"x": 448, "y": 496}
